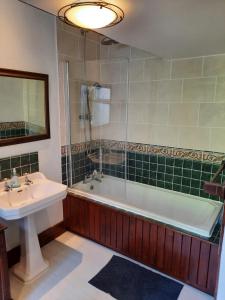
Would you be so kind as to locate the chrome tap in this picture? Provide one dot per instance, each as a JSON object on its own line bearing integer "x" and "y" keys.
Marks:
{"x": 96, "y": 176}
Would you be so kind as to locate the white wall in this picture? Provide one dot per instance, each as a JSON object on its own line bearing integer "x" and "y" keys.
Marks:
{"x": 28, "y": 42}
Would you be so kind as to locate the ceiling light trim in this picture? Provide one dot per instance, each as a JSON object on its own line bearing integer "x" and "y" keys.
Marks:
{"x": 101, "y": 4}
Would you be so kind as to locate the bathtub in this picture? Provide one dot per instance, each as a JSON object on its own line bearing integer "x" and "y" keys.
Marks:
{"x": 190, "y": 213}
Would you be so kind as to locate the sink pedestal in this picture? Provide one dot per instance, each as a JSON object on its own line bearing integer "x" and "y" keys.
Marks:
{"x": 32, "y": 263}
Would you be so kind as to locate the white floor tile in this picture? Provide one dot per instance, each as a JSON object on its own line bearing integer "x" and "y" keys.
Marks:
{"x": 73, "y": 262}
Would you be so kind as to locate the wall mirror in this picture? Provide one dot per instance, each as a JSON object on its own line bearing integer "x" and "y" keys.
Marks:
{"x": 24, "y": 107}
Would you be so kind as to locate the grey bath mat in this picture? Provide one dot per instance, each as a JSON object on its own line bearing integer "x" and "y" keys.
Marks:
{"x": 125, "y": 280}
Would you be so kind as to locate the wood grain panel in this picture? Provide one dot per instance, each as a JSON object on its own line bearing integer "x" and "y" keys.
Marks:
{"x": 113, "y": 230}
{"x": 213, "y": 268}
{"x": 176, "y": 258}
{"x": 169, "y": 240}
{"x": 97, "y": 222}
{"x": 125, "y": 234}
{"x": 203, "y": 265}
{"x": 92, "y": 221}
{"x": 102, "y": 225}
{"x": 4, "y": 275}
{"x": 160, "y": 247}
{"x": 185, "y": 257}
{"x": 108, "y": 227}
{"x": 146, "y": 240}
{"x": 85, "y": 221}
{"x": 153, "y": 244}
{"x": 138, "y": 239}
{"x": 119, "y": 230}
{"x": 132, "y": 237}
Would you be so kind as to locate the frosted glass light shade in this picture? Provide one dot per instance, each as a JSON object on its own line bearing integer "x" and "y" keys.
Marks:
{"x": 90, "y": 16}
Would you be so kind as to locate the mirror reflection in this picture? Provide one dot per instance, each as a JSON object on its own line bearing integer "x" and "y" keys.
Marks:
{"x": 23, "y": 110}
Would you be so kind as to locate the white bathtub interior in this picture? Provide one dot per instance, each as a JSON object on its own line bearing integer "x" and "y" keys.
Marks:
{"x": 190, "y": 213}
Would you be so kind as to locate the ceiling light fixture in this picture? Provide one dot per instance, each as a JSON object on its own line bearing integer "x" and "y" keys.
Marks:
{"x": 91, "y": 15}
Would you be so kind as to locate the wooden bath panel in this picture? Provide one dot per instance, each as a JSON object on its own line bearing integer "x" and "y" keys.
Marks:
{"x": 187, "y": 258}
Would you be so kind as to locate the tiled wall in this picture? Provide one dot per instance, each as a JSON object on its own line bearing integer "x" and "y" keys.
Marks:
{"x": 25, "y": 163}
{"x": 71, "y": 50}
{"x": 170, "y": 168}
{"x": 176, "y": 103}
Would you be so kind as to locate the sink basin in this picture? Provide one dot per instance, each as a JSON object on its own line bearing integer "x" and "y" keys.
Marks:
{"x": 22, "y": 203}
{"x": 26, "y": 200}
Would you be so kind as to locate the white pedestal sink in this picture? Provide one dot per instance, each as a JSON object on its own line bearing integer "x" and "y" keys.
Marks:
{"x": 22, "y": 203}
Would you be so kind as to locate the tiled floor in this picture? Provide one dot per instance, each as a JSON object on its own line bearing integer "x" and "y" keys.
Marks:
{"x": 73, "y": 262}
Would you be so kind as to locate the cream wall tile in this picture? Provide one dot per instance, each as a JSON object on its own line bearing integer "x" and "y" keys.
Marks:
{"x": 138, "y": 113}
{"x": 158, "y": 113}
{"x": 114, "y": 131}
{"x": 136, "y": 70}
{"x": 183, "y": 68}
{"x": 183, "y": 114}
{"x": 96, "y": 133}
{"x": 199, "y": 90}
{"x": 212, "y": 115}
{"x": 169, "y": 90}
{"x": 74, "y": 90}
{"x": 92, "y": 50}
{"x": 111, "y": 72}
{"x": 119, "y": 92}
{"x": 93, "y": 71}
{"x": 76, "y": 69}
{"x": 194, "y": 138}
{"x": 104, "y": 52}
{"x": 124, "y": 71}
{"x": 139, "y": 133}
{"x": 70, "y": 45}
{"x": 218, "y": 140}
{"x": 75, "y": 111}
{"x": 117, "y": 112}
{"x": 156, "y": 68}
{"x": 164, "y": 136}
{"x": 140, "y": 91}
{"x": 220, "y": 89}
{"x": 77, "y": 135}
{"x": 214, "y": 65}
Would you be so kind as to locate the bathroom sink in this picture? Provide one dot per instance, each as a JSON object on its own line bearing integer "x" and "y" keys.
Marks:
{"x": 22, "y": 203}
{"x": 29, "y": 199}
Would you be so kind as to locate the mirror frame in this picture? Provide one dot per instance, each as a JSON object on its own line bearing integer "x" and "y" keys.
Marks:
{"x": 29, "y": 75}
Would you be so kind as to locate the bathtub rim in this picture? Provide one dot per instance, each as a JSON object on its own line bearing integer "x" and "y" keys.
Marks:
{"x": 142, "y": 213}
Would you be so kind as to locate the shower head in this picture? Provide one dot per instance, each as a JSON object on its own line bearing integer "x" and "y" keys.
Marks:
{"x": 106, "y": 41}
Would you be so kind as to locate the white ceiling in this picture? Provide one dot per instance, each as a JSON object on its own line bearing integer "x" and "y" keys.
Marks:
{"x": 167, "y": 28}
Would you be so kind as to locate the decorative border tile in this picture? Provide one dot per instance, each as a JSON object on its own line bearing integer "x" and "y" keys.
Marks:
{"x": 198, "y": 155}
{"x": 12, "y": 125}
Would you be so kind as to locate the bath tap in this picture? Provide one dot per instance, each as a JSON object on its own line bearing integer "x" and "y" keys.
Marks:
{"x": 97, "y": 176}
{"x": 94, "y": 176}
